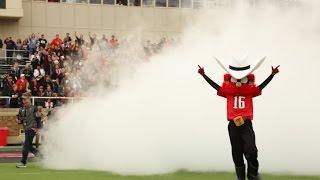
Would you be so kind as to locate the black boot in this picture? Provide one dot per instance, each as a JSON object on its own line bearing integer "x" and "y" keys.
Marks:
{"x": 253, "y": 173}
{"x": 241, "y": 172}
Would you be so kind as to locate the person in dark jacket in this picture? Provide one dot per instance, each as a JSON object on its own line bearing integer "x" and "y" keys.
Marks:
{"x": 34, "y": 86}
{"x": 36, "y": 61}
{"x": 15, "y": 72}
{"x": 8, "y": 88}
{"x": 15, "y": 97}
{"x": 80, "y": 40}
{"x": 10, "y": 46}
{"x": 1, "y": 44}
{"x": 28, "y": 72}
{"x": 25, "y": 48}
{"x": 30, "y": 118}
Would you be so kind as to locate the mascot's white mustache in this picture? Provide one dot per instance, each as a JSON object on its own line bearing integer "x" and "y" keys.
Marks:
{"x": 239, "y": 82}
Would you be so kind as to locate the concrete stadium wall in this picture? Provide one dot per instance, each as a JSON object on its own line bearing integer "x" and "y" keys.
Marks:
{"x": 8, "y": 119}
{"x": 59, "y": 18}
{"x": 53, "y": 18}
{"x": 13, "y": 9}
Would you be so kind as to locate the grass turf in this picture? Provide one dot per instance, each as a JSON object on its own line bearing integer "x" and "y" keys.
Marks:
{"x": 34, "y": 172}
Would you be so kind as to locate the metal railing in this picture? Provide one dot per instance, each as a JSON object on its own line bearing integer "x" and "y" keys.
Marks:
{"x": 36, "y": 97}
{"x": 13, "y": 55}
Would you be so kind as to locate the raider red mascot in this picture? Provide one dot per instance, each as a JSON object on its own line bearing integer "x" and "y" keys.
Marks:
{"x": 239, "y": 89}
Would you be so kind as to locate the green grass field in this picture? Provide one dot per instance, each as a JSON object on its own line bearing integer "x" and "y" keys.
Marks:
{"x": 34, "y": 172}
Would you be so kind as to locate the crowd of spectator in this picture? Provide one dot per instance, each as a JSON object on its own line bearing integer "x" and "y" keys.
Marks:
{"x": 66, "y": 67}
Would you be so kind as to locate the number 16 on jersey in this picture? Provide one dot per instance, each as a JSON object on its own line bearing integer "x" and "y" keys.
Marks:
{"x": 239, "y": 102}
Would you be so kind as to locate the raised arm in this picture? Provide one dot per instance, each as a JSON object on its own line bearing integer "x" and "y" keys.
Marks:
{"x": 267, "y": 81}
{"x": 75, "y": 34}
{"x": 212, "y": 83}
{"x": 90, "y": 35}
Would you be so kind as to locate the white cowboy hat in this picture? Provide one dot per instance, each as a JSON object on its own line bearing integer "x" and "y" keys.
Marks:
{"x": 240, "y": 68}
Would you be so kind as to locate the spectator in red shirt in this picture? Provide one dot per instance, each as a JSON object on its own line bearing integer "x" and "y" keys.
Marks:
{"x": 56, "y": 41}
{"x": 22, "y": 84}
{"x": 113, "y": 41}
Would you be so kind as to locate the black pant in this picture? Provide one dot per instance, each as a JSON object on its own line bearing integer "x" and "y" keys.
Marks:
{"x": 27, "y": 146}
{"x": 9, "y": 55}
{"x": 242, "y": 140}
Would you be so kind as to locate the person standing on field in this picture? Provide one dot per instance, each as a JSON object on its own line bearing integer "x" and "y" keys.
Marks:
{"x": 30, "y": 118}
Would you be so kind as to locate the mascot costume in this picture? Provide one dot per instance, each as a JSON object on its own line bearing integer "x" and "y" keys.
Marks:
{"x": 239, "y": 89}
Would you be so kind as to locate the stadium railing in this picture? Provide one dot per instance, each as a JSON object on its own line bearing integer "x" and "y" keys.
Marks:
{"x": 35, "y": 97}
{"x": 17, "y": 55}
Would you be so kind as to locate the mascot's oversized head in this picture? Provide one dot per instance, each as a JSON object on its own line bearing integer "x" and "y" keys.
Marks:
{"x": 239, "y": 71}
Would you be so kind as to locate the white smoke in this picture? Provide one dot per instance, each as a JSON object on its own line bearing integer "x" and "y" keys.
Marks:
{"x": 165, "y": 117}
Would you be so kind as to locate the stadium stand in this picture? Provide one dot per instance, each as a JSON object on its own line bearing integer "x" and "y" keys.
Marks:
{"x": 51, "y": 68}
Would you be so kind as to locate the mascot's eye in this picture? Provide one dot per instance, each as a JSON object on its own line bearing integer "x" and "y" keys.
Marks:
{"x": 234, "y": 80}
{"x": 244, "y": 80}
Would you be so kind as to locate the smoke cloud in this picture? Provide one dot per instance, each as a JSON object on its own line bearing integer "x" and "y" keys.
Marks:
{"x": 162, "y": 116}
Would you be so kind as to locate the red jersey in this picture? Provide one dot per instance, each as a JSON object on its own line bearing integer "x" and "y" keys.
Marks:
{"x": 56, "y": 41}
{"x": 21, "y": 84}
{"x": 239, "y": 99}
{"x": 113, "y": 42}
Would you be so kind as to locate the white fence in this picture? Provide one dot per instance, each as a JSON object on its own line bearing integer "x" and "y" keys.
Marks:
{"x": 13, "y": 55}
{"x": 35, "y": 97}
